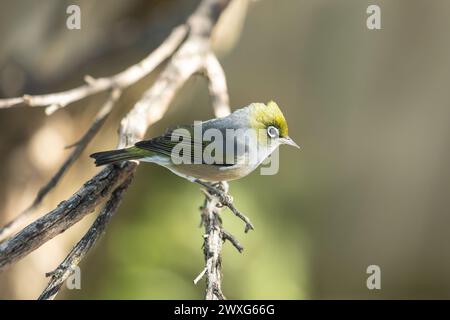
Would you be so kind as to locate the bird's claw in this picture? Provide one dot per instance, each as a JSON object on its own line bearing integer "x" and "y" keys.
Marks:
{"x": 220, "y": 190}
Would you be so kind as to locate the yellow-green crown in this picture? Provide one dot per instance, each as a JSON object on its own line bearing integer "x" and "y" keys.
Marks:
{"x": 264, "y": 115}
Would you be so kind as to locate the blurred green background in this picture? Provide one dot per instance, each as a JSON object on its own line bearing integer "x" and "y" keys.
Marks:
{"x": 370, "y": 185}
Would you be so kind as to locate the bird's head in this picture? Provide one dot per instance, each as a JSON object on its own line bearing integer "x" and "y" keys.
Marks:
{"x": 271, "y": 123}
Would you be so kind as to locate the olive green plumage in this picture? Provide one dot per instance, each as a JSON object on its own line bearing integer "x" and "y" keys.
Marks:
{"x": 107, "y": 157}
{"x": 263, "y": 116}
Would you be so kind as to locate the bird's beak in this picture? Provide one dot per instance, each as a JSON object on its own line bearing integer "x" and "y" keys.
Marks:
{"x": 289, "y": 141}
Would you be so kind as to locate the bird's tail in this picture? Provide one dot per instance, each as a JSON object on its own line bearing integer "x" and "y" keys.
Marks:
{"x": 112, "y": 156}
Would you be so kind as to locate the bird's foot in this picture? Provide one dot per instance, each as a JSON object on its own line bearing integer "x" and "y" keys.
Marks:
{"x": 220, "y": 191}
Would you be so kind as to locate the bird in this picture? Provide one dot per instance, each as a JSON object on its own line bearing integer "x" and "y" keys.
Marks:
{"x": 220, "y": 149}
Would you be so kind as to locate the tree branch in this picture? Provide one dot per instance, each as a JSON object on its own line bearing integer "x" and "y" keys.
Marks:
{"x": 66, "y": 214}
{"x": 212, "y": 248}
{"x": 147, "y": 111}
{"x": 190, "y": 51}
{"x": 133, "y": 74}
{"x": 217, "y": 86}
{"x": 216, "y": 197}
{"x": 79, "y": 147}
{"x": 65, "y": 269}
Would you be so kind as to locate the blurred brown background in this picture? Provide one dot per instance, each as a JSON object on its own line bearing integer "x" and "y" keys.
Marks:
{"x": 370, "y": 186}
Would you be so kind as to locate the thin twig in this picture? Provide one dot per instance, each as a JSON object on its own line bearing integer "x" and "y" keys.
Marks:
{"x": 228, "y": 236}
{"x": 65, "y": 269}
{"x": 79, "y": 147}
{"x": 200, "y": 275}
{"x": 131, "y": 75}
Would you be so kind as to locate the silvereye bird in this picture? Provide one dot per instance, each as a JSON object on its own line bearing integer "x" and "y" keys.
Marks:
{"x": 234, "y": 155}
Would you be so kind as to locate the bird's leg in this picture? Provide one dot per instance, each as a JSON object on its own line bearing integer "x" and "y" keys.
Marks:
{"x": 220, "y": 190}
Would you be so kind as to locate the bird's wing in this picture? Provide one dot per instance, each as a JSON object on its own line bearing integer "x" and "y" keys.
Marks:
{"x": 183, "y": 137}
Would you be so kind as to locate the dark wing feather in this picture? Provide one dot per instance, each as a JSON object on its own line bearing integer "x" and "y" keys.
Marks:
{"x": 164, "y": 144}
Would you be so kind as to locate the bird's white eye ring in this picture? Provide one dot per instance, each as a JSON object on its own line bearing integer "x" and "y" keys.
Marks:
{"x": 273, "y": 132}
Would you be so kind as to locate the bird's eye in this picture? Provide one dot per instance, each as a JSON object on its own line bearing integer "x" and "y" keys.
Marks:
{"x": 273, "y": 132}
